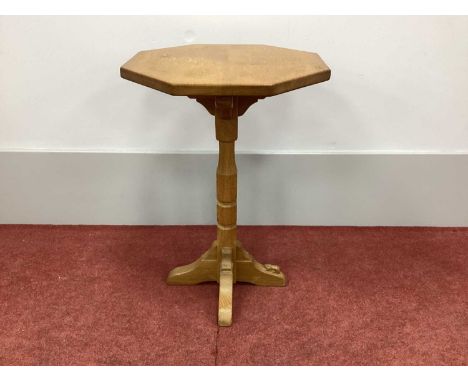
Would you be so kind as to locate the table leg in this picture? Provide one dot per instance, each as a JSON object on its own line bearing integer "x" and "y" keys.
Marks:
{"x": 226, "y": 205}
{"x": 226, "y": 261}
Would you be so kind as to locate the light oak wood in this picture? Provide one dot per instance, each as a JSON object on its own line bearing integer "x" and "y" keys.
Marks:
{"x": 226, "y": 261}
{"x": 226, "y": 281}
{"x": 226, "y": 80}
{"x": 247, "y": 269}
{"x": 212, "y": 70}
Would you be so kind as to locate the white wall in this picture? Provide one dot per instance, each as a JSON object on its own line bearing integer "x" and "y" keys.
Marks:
{"x": 399, "y": 86}
{"x": 398, "y": 83}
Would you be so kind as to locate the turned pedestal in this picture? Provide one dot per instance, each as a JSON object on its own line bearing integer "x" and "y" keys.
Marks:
{"x": 226, "y": 80}
{"x": 226, "y": 261}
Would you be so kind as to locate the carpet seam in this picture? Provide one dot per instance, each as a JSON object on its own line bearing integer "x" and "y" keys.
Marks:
{"x": 216, "y": 347}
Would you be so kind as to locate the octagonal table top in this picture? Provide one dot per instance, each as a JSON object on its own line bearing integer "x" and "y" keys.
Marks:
{"x": 222, "y": 70}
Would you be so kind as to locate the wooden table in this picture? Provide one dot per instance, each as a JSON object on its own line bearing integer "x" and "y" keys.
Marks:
{"x": 226, "y": 80}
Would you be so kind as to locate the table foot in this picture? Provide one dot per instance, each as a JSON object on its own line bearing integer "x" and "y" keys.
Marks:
{"x": 226, "y": 281}
{"x": 205, "y": 268}
{"x": 249, "y": 270}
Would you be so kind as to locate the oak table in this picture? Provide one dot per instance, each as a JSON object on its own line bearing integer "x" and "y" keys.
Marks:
{"x": 226, "y": 80}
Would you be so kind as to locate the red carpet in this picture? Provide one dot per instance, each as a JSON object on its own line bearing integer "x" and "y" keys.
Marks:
{"x": 90, "y": 295}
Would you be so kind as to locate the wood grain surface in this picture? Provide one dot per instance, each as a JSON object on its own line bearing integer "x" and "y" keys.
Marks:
{"x": 236, "y": 70}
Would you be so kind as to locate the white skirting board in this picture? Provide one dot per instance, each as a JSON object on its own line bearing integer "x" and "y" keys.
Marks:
{"x": 166, "y": 189}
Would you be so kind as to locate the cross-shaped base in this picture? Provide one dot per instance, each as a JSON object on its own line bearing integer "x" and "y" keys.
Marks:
{"x": 226, "y": 269}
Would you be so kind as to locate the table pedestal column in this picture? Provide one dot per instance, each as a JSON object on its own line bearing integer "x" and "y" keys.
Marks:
{"x": 226, "y": 262}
